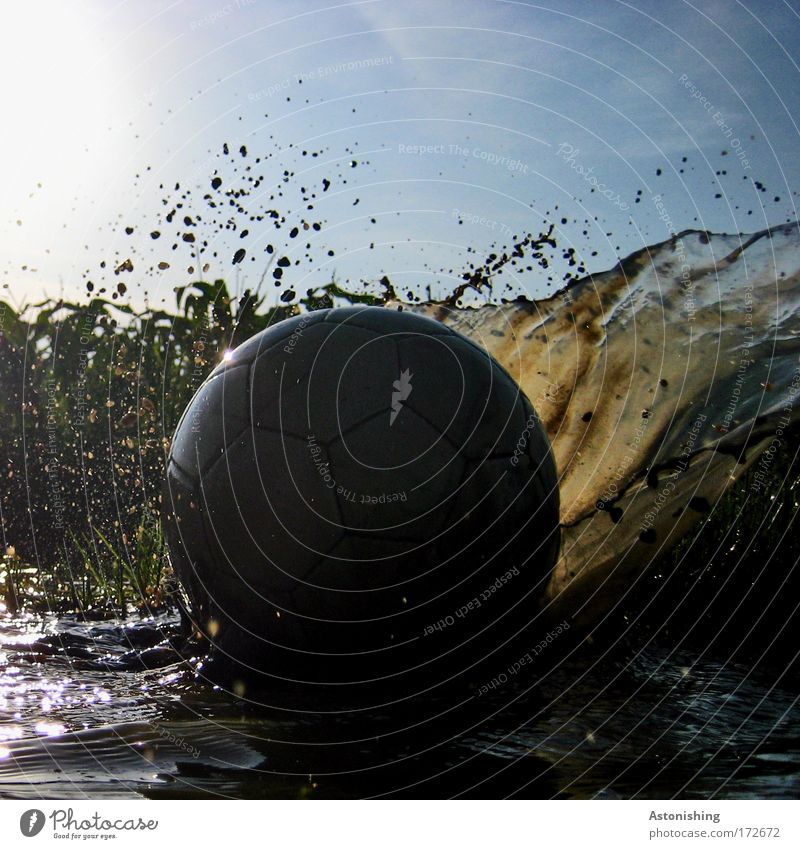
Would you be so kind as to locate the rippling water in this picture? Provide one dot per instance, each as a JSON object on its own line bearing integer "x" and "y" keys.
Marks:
{"x": 643, "y": 723}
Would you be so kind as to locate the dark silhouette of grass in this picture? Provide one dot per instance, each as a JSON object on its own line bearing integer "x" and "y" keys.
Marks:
{"x": 90, "y": 395}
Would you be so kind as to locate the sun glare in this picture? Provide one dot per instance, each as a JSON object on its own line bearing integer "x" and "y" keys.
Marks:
{"x": 56, "y": 88}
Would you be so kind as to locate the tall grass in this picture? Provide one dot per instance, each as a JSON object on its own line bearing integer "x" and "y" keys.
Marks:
{"x": 89, "y": 397}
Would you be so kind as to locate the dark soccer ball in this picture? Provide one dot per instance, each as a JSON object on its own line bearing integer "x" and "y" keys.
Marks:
{"x": 357, "y": 495}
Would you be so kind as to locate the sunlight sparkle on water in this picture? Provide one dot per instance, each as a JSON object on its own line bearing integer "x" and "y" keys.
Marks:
{"x": 10, "y": 732}
{"x": 49, "y": 729}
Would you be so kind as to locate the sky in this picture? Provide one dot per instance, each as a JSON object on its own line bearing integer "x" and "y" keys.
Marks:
{"x": 406, "y": 139}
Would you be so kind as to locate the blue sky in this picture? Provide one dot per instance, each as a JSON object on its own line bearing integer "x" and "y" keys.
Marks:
{"x": 469, "y": 122}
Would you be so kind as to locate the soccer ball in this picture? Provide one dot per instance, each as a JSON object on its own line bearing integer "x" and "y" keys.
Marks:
{"x": 358, "y": 494}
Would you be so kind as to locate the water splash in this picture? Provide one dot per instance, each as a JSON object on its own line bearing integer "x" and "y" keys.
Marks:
{"x": 659, "y": 382}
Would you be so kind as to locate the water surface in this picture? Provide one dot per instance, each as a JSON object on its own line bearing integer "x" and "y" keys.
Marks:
{"x": 641, "y": 722}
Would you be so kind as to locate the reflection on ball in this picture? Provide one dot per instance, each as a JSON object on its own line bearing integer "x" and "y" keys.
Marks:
{"x": 359, "y": 495}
